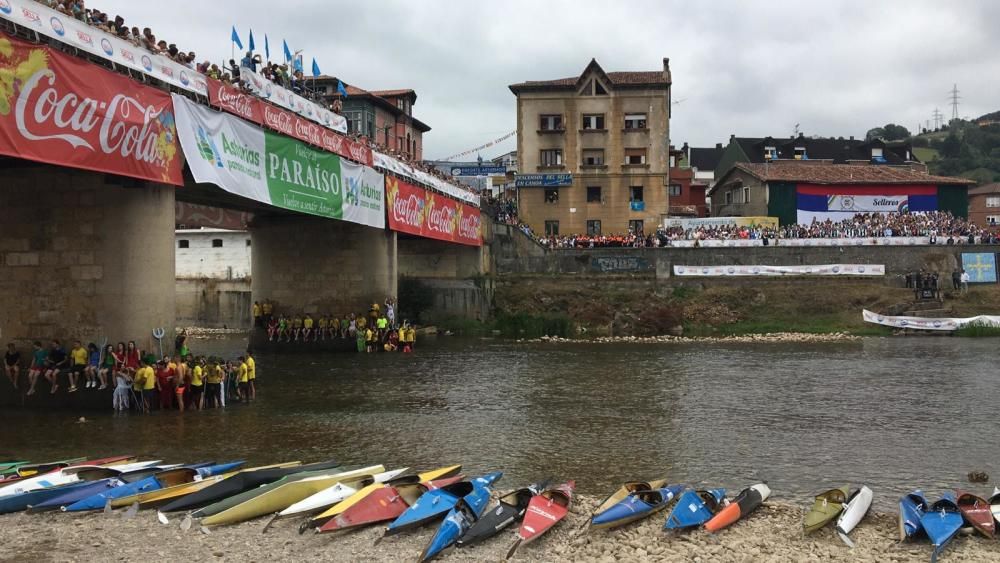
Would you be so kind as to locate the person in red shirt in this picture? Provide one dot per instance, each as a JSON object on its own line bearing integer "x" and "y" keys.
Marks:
{"x": 165, "y": 385}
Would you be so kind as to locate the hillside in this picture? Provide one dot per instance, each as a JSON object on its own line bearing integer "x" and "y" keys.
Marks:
{"x": 962, "y": 149}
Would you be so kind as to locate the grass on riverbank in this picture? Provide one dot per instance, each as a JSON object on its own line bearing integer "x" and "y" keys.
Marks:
{"x": 978, "y": 330}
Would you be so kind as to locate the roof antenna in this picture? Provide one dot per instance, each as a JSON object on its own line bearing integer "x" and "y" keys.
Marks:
{"x": 796, "y": 130}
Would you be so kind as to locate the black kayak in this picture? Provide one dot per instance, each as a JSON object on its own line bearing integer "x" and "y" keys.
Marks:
{"x": 510, "y": 510}
{"x": 242, "y": 481}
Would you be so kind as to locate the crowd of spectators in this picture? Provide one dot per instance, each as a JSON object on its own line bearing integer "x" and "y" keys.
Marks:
{"x": 372, "y": 331}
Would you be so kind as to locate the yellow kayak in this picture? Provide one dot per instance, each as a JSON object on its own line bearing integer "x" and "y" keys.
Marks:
{"x": 162, "y": 496}
{"x": 357, "y": 497}
{"x": 286, "y": 494}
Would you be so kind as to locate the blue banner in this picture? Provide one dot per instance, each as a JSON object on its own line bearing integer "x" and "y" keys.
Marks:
{"x": 543, "y": 180}
{"x": 981, "y": 266}
{"x": 478, "y": 170}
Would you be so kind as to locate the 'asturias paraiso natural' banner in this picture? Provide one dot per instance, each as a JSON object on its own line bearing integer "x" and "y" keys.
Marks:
{"x": 263, "y": 166}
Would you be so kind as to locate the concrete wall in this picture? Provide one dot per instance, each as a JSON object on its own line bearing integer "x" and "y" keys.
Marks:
{"x": 429, "y": 258}
{"x": 201, "y": 259}
{"x": 213, "y": 302}
{"x": 84, "y": 255}
{"x": 310, "y": 264}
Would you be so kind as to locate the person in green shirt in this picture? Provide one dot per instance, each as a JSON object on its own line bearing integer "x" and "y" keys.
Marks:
{"x": 38, "y": 358}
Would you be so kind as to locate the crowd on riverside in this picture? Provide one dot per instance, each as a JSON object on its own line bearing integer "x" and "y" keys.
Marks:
{"x": 141, "y": 381}
{"x": 372, "y": 331}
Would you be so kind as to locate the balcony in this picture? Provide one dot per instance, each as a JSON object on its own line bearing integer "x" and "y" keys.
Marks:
{"x": 558, "y": 131}
{"x": 637, "y": 205}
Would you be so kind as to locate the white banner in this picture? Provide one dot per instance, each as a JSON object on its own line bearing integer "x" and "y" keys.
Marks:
{"x": 820, "y": 270}
{"x": 279, "y": 96}
{"x": 364, "y": 194}
{"x": 866, "y": 203}
{"x": 929, "y": 323}
{"x": 391, "y": 164}
{"x": 59, "y": 26}
{"x": 744, "y": 243}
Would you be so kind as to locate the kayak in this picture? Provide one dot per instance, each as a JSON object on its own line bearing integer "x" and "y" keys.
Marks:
{"x": 912, "y": 508}
{"x": 32, "y": 469}
{"x": 435, "y": 504}
{"x": 330, "y": 496}
{"x": 21, "y": 501}
{"x": 544, "y": 511}
{"x": 941, "y": 522}
{"x": 10, "y": 467}
{"x": 976, "y": 511}
{"x": 510, "y": 509}
{"x": 208, "y": 472}
{"x": 166, "y": 478}
{"x": 694, "y": 508}
{"x": 64, "y": 475}
{"x": 995, "y": 504}
{"x": 380, "y": 505}
{"x": 625, "y": 490}
{"x": 825, "y": 508}
{"x": 53, "y": 498}
{"x": 636, "y": 506}
{"x": 163, "y": 496}
{"x": 745, "y": 503}
{"x": 459, "y": 519}
{"x": 280, "y": 494}
{"x": 854, "y": 511}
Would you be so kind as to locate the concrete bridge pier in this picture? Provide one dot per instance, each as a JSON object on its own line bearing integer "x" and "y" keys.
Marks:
{"x": 84, "y": 255}
{"x": 314, "y": 265}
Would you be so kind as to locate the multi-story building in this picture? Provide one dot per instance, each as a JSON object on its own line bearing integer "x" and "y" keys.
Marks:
{"x": 687, "y": 195}
{"x": 984, "y": 205}
{"x": 593, "y": 151}
{"x": 385, "y": 116}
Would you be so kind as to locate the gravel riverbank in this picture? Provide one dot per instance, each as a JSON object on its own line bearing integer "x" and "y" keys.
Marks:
{"x": 773, "y": 533}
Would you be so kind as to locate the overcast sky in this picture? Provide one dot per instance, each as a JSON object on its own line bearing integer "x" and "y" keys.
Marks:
{"x": 749, "y": 68}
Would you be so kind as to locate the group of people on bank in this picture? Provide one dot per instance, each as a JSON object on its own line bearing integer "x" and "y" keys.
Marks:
{"x": 374, "y": 331}
{"x": 140, "y": 381}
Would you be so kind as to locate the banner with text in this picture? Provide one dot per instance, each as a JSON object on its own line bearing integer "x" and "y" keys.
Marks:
{"x": 66, "y": 111}
{"x": 416, "y": 211}
{"x": 798, "y": 242}
{"x": 836, "y": 203}
{"x": 267, "y": 90}
{"x": 821, "y": 270}
{"x": 929, "y": 323}
{"x": 273, "y": 169}
{"x": 709, "y": 222}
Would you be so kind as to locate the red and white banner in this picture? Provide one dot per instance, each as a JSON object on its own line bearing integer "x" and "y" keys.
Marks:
{"x": 67, "y": 111}
{"x": 417, "y": 211}
{"x": 190, "y": 215}
{"x": 232, "y": 100}
{"x": 288, "y": 123}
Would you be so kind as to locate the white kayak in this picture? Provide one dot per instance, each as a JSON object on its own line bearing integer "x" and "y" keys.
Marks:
{"x": 995, "y": 504}
{"x": 854, "y": 511}
{"x": 65, "y": 476}
{"x": 331, "y": 496}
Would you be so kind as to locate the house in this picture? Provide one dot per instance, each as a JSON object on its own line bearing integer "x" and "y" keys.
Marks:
{"x": 592, "y": 151}
{"x": 703, "y": 162}
{"x": 984, "y": 205}
{"x": 687, "y": 196}
{"x": 798, "y": 191}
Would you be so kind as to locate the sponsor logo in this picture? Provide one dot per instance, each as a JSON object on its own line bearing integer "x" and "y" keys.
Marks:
{"x": 756, "y": 270}
{"x": 57, "y": 26}
{"x": 84, "y": 37}
{"x": 106, "y": 47}
{"x": 207, "y": 148}
{"x": 128, "y": 55}
{"x": 730, "y": 270}
{"x": 31, "y": 16}
{"x": 861, "y": 269}
{"x": 705, "y": 271}
{"x": 5, "y": 7}
{"x": 234, "y": 101}
{"x": 937, "y": 324}
{"x": 409, "y": 211}
{"x": 681, "y": 269}
{"x": 166, "y": 71}
{"x": 278, "y": 120}
{"x": 469, "y": 226}
{"x": 836, "y": 269}
{"x": 442, "y": 220}
{"x": 184, "y": 78}
{"x": 535, "y": 510}
{"x": 147, "y": 63}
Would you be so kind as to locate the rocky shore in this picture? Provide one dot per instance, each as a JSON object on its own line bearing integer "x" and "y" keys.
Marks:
{"x": 773, "y": 533}
{"x": 734, "y": 339}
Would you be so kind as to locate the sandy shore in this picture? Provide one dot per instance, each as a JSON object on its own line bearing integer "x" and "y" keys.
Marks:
{"x": 773, "y": 533}
{"x": 736, "y": 339}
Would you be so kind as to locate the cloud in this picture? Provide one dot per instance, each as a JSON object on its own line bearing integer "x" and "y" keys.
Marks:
{"x": 749, "y": 68}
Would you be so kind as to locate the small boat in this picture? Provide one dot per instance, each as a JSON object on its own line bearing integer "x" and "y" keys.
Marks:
{"x": 168, "y": 477}
{"x": 746, "y": 502}
{"x": 856, "y": 508}
{"x": 330, "y": 496}
{"x": 941, "y": 522}
{"x": 636, "y": 506}
{"x": 976, "y": 512}
{"x": 278, "y": 495}
{"x": 459, "y": 519}
{"x": 625, "y": 490}
{"x": 91, "y": 483}
{"x": 995, "y": 504}
{"x": 61, "y": 475}
{"x": 383, "y": 504}
{"x": 435, "y": 504}
{"x": 825, "y": 508}
{"x": 694, "y": 508}
{"x": 544, "y": 511}
{"x": 204, "y": 474}
{"x": 10, "y": 467}
{"x": 32, "y": 469}
{"x": 509, "y": 510}
{"x": 86, "y": 478}
{"x": 912, "y": 508}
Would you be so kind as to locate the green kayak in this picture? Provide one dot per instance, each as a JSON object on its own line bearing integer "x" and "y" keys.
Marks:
{"x": 10, "y": 467}
{"x": 826, "y": 507}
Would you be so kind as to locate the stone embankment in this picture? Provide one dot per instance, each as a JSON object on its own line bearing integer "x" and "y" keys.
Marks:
{"x": 783, "y": 337}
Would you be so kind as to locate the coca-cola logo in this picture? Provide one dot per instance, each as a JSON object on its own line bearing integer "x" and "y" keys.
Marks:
{"x": 85, "y": 38}
{"x": 307, "y": 131}
{"x": 441, "y": 219}
{"x": 147, "y": 63}
{"x": 128, "y": 55}
{"x": 57, "y": 26}
{"x": 235, "y": 101}
{"x": 468, "y": 227}
{"x": 106, "y": 47}
{"x": 359, "y": 152}
{"x": 166, "y": 71}
{"x": 31, "y": 16}
{"x": 278, "y": 120}
{"x": 128, "y": 128}
{"x": 407, "y": 210}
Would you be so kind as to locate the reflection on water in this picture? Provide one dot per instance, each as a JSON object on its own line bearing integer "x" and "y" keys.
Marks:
{"x": 892, "y": 413}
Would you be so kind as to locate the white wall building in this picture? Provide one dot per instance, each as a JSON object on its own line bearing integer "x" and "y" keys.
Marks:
{"x": 212, "y": 253}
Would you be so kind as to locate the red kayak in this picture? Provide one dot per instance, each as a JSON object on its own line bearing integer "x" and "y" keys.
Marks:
{"x": 976, "y": 511}
{"x": 383, "y": 505}
{"x": 544, "y": 512}
{"x": 746, "y": 502}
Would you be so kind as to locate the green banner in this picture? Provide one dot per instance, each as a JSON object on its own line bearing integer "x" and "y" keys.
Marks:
{"x": 303, "y": 179}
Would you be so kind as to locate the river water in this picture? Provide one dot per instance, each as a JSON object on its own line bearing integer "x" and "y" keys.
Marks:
{"x": 893, "y": 413}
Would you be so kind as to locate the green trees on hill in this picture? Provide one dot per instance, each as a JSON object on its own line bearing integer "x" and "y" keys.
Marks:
{"x": 967, "y": 150}
{"x": 890, "y": 132}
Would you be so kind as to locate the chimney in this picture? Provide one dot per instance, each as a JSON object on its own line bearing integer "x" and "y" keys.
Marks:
{"x": 666, "y": 67}
{"x": 685, "y": 147}
{"x": 718, "y": 145}
{"x": 852, "y": 137}
{"x": 732, "y": 137}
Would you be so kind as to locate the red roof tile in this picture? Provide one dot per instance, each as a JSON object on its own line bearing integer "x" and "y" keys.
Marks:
{"x": 985, "y": 189}
{"x": 391, "y": 93}
{"x": 844, "y": 174}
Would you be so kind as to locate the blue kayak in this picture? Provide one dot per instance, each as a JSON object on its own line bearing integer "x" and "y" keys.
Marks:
{"x": 941, "y": 522}
{"x": 77, "y": 491}
{"x": 459, "y": 519}
{"x": 165, "y": 478}
{"x": 912, "y": 508}
{"x": 694, "y": 508}
{"x": 436, "y": 503}
{"x": 21, "y": 501}
{"x": 636, "y": 506}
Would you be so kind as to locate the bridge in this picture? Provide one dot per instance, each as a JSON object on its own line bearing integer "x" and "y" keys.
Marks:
{"x": 103, "y": 144}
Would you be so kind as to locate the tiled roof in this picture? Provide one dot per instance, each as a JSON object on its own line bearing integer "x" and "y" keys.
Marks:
{"x": 993, "y": 188}
{"x": 616, "y": 78}
{"x": 844, "y": 174}
{"x": 391, "y": 93}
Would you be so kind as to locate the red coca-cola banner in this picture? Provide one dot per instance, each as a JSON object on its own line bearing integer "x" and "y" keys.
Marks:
{"x": 190, "y": 215}
{"x": 421, "y": 212}
{"x": 66, "y": 111}
{"x": 234, "y": 101}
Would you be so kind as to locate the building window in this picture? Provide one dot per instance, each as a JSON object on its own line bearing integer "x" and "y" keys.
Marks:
{"x": 673, "y": 190}
{"x": 800, "y": 153}
{"x": 551, "y": 195}
{"x": 552, "y": 157}
{"x": 593, "y": 157}
{"x": 551, "y": 122}
{"x": 593, "y": 194}
{"x": 217, "y": 243}
{"x": 593, "y": 121}
{"x": 635, "y": 193}
{"x": 993, "y": 201}
{"x": 635, "y": 156}
{"x": 673, "y": 161}
{"x": 876, "y": 152}
{"x": 770, "y": 153}
{"x": 729, "y": 197}
{"x": 354, "y": 122}
{"x": 248, "y": 242}
{"x": 594, "y": 88}
{"x": 746, "y": 194}
{"x": 593, "y": 227}
{"x": 635, "y": 226}
{"x": 635, "y": 121}
{"x": 992, "y": 220}
{"x": 183, "y": 243}
{"x": 552, "y": 228}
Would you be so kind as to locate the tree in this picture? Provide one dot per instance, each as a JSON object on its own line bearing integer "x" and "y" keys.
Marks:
{"x": 951, "y": 146}
{"x": 890, "y": 132}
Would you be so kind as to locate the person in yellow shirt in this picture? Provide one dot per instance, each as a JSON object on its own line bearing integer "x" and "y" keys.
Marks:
{"x": 197, "y": 382}
{"x": 243, "y": 378}
{"x": 78, "y": 364}
{"x": 213, "y": 384}
{"x": 267, "y": 308}
{"x": 323, "y": 323}
{"x": 307, "y": 327}
{"x": 251, "y": 374}
{"x": 148, "y": 379}
{"x": 296, "y": 326}
{"x": 256, "y": 312}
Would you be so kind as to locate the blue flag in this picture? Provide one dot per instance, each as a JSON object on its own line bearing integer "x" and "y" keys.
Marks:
{"x": 340, "y": 89}
{"x": 267, "y": 48}
{"x": 236, "y": 38}
{"x": 297, "y": 63}
{"x": 252, "y": 46}
{"x": 315, "y": 68}
{"x": 288, "y": 52}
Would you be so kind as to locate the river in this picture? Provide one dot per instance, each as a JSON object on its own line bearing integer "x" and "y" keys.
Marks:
{"x": 893, "y": 413}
